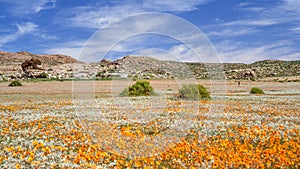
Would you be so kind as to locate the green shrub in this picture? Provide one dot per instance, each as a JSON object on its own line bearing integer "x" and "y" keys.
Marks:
{"x": 140, "y": 88}
{"x": 194, "y": 92}
{"x": 15, "y": 83}
{"x": 256, "y": 90}
{"x": 42, "y": 75}
{"x": 4, "y": 79}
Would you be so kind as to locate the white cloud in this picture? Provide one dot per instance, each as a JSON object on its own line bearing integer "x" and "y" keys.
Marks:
{"x": 248, "y": 6}
{"x": 69, "y": 51}
{"x": 232, "y": 32}
{"x": 281, "y": 11}
{"x": 237, "y": 52}
{"x": 291, "y": 5}
{"x": 26, "y": 28}
{"x": 44, "y": 5}
{"x": 23, "y": 29}
{"x": 285, "y": 11}
{"x": 128, "y": 35}
{"x": 295, "y": 29}
{"x": 258, "y": 22}
{"x": 45, "y": 36}
{"x": 183, "y": 53}
{"x": 24, "y": 7}
{"x": 293, "y": 56}
{"x": 173, "y": 6}
{"x": 97, "y": 16}
{"x": 148, "y": 23}
{"x": 160, "y": 54}
{"x": 72, "y": 48}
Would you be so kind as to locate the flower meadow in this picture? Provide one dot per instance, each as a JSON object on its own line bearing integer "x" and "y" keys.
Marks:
{"x": 213, "y": 134}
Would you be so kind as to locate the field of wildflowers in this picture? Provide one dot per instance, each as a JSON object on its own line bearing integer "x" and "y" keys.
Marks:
{"x": 228, "y": 133}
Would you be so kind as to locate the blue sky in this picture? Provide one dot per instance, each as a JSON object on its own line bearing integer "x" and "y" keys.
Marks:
{"x": 240, "y": 31}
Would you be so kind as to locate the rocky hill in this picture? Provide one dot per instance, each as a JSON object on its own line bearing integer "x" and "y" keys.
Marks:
{"x": 54, "y": 65}
{"x": 21, "y": 65}
{"x": 150, "y": 68}
{"x": 9, "y": 58}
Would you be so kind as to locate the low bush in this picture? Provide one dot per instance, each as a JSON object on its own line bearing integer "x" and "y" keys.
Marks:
{"x": 256, "y": 90}
{"x": 42, "y": 75}
{"x": 15, "y": 83}
{"x": 140, "y": 88}
{"x": 194, "y": 92}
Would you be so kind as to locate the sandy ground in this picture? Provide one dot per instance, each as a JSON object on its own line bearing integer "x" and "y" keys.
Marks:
{"x": 41, "y": 91}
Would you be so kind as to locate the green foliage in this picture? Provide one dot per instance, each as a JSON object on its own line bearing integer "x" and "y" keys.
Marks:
{"x": 15, "y": 83}
{"x": 194, "y": 92}
{"x": 42, "y": 75}
{"x": 140, "y": 88}
{"x": 256, "y": 90}
{"x": 4, "y": 79}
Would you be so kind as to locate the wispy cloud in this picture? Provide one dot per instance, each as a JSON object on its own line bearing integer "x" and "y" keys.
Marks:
{"x": 173, "y": 6}
{"x": 180, "y": 53}
{"x": 285, "y": 11}
{"x": 295, "y": 29}
{"x": 291, "y": 5}
{"x": 97, "y": 16}
{"x": 257, "y": 22}
{"x": 25, "y": 7}
{"x": 160, "y": 54}
{"x": 248, "y": 6}
{"x": 262, "y": 21}
{"x": 22, "y": 29}
{"x": 240, "y": 52}
{"x": 141, "y": 32}
{"x": 44, "y": 5}
{"x": 255, "y": 35}
{"x": 232, "y": 32}
{"x": 71, "y": 48}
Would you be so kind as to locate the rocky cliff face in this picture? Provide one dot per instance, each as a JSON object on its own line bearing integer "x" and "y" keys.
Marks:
{"x": 61, "y": 66}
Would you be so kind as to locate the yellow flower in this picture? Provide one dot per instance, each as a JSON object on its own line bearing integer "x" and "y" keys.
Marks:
{"x": 18, "y": 166}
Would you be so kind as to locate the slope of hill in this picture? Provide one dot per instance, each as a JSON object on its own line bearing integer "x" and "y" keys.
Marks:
{"x": 61, "y": 66}
{"x": 10, "y": 64}
{"x": 147, "y": 67}
{"x": 9, "y": 59}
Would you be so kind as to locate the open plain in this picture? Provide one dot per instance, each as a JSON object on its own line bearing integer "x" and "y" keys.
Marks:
{"x": 51, "y": 124}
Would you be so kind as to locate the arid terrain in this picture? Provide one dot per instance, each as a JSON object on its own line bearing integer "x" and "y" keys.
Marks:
{"x": 21, "y": 66}
{"x": 84, "y": 123}
{"x": 56, "y": 89}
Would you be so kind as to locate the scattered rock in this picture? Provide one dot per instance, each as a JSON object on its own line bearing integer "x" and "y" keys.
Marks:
{"x": 25, "y": 64}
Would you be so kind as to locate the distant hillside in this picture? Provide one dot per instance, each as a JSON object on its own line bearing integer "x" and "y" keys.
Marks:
{"x": 61, "y": 66}
{"x": 149, "y": 68}
{"x": 256, "y": 70}
{"x": 54, "y": 65}
{"x": 9, "y": 59}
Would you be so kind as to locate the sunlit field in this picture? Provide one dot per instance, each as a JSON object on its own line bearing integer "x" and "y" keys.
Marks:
{"x": 237, "y": 130}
